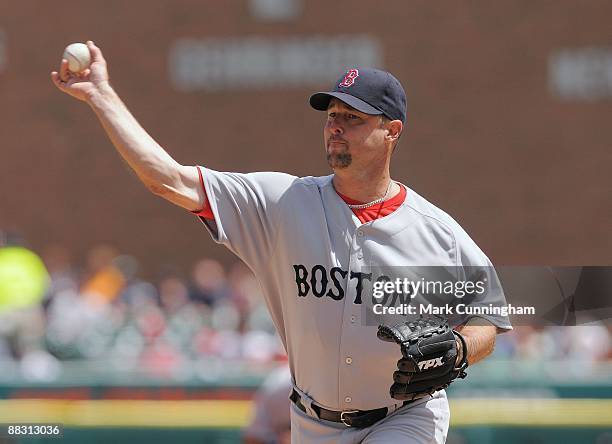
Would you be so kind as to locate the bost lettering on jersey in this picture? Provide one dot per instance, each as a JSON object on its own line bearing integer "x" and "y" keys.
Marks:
{"x": 320, "y": 282}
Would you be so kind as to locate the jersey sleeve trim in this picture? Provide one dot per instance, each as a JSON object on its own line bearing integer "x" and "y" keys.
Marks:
{"x": 213, "y": 225}
{"x": 206, "y": 211}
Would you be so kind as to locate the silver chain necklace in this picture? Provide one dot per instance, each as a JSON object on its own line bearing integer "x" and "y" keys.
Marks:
{"x": 374, "y": 202}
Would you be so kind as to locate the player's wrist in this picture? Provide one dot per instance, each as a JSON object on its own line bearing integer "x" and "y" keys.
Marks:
{"x": 459, "y": 352}
{"x": 461, "y": 360}
{"x": 101, "y": 95}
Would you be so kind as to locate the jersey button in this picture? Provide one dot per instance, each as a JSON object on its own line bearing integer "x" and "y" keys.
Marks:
{"x": 353, "y": 318}
{"x": 360, "y": 256}
{"x": 348, "y": 399}
{"x": 360, "y": 233}
{"x": 349, "y": 360}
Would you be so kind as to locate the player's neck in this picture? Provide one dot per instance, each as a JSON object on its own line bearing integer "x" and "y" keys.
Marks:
{"x": 364, "y": 187}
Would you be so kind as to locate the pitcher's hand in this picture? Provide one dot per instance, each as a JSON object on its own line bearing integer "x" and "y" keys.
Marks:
{"x": 86, "y": 84}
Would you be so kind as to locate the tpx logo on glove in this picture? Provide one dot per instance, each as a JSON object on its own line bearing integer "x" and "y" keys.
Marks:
{"x": 430, "y": 363}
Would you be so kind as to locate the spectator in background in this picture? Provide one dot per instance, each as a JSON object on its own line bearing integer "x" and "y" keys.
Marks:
{"x": 62, "y": 274}
{"x": 245, "y": 292}
{"x": 23, "y": 283}
{"x": 208, "y": 282}
{"x": 82, "y": 322}
{"x": 104, "y": 280}
{"x": 23, "y": 276}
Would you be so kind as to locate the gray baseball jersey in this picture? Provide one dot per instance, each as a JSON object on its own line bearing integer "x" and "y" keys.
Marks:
{"x": 308, "y": 251}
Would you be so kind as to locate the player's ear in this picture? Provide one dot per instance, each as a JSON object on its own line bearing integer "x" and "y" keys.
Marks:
{"x": 394, "y": 129}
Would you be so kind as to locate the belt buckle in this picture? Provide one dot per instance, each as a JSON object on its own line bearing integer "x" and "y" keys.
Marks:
{"x": 343, "y": 419}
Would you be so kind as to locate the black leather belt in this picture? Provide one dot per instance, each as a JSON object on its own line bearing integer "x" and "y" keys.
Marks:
{"x": 350, "y": 418}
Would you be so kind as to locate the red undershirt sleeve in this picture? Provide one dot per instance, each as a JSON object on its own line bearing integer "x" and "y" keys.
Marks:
{"x": 205, "y": 212}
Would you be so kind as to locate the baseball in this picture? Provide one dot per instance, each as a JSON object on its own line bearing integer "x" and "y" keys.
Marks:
{"x": 78, "y": 57}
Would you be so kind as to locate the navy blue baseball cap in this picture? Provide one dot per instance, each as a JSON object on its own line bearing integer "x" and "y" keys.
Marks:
{"x": 369, "y": 90}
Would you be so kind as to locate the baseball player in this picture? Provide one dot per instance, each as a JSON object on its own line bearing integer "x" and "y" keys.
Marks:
{"x": 310, "y": 240}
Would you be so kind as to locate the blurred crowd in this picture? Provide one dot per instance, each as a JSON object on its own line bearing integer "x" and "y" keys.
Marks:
{"x": 104, "y": 310}
{"x": 53, "y": 311}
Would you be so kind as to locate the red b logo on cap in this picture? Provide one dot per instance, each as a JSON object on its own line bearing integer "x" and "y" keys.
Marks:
{"x": 349, "y": 78}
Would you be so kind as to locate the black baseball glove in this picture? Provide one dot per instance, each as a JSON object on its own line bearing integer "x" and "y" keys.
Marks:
{"x": 429, "y": 362}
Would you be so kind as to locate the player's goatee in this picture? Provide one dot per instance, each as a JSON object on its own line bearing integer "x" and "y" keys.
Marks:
{"x": 339, "y": 160}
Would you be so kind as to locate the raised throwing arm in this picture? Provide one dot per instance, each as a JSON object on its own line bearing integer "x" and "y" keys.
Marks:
{"x": 159, "y": 172}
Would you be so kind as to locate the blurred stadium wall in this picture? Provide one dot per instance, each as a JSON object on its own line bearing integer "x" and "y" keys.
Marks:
{"x": 508, "y": 122}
